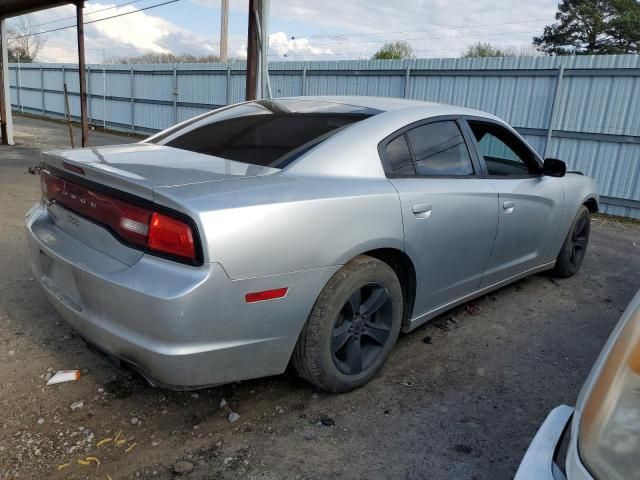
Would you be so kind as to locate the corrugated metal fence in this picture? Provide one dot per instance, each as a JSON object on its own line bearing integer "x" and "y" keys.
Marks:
{"x": 588, "y": 106}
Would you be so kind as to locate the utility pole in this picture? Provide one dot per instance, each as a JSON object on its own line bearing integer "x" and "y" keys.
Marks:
{"x": 224, "y": 30}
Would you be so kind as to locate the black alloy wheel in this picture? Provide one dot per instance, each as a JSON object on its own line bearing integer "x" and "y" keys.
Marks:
{"x": 362, "y": 329}
{"x": 579, "y": 241}
{"x": 352, "y": 327}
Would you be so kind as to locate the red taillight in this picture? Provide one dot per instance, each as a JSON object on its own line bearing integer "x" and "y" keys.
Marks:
{"x": 137, "y": 225}
{"x": 265, "y": 295}
{"x": 172, "y": 236}
{"x": 130, "y": 222}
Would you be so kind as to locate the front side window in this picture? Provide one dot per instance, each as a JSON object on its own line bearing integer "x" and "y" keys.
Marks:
{"x": 439, "y": 149}
{"x": 504, "y": 154}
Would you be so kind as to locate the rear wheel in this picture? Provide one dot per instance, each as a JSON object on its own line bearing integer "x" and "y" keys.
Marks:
{"x": 575, "y": 245}
{"x": 352, "y": 328}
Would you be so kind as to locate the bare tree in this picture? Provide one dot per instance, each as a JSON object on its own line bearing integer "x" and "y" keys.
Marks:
{"x": 23, "y": 41}
{"x": 154, "y": 58}
{"x": 394, "y": 50}
{"x": 484, "y": 49}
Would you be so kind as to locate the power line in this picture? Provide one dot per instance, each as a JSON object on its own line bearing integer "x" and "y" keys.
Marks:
{"x": 101, "y": 19}
{"x": 440, "y": 27}
{"x": 310, "y": 54}
{"x": 87, "y": 13}
{"x": 364, "y": 42}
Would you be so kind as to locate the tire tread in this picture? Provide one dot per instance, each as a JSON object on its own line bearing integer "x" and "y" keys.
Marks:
{"x": 306, "y": 355}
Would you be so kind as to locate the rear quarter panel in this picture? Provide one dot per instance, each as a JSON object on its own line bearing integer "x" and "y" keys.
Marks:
{"x": 578, "y": 190}
{"x": 281, "y": 223}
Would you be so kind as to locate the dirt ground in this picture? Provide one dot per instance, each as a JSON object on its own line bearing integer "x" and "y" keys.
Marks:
{"x": 459, "y": 398}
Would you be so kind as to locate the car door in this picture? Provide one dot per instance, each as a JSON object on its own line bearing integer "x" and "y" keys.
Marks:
{"x": 449, "y": 211}
{"x": 530, "y": 203}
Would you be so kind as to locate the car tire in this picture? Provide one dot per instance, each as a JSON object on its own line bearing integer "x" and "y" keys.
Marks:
{"x": 352, "y": 328}
{"x": 575, "y": 245}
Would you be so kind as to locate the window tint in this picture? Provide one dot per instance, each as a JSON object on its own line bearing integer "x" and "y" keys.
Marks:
{"x": 439, "y": 149}
{"x": 503, "y": 153}
{"x": 266, "y": 133}
{"x": 399, "y": 157}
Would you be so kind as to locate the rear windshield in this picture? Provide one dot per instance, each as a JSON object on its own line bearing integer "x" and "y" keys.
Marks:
{"x": 265, "y": 133}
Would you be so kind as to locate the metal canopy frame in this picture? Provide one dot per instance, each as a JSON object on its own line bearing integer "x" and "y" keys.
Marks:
{"x": 257, "y": 84}
{"x": 257, "y": 76}
{"x": 12, "y": 8}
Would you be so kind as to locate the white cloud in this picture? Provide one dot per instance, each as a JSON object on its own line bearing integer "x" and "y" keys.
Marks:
{"x": 321, "y": 29}
{"x": 435, "y": 28}
{"x": 127, "y": 35}
{"x": 280, "y": 44}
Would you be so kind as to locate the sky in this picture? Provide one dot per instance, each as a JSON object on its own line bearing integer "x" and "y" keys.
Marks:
{"x": 298, "y": 29}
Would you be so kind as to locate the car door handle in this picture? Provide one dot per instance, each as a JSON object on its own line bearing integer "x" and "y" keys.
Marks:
{"x": 421, "y": 210}
{"x": 508, "y": 206}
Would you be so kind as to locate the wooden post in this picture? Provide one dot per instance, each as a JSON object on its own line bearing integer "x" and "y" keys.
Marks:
{"x": 67, "y": 114}
{"x": 252, "y": 51}
{"x": 81, "y": 73}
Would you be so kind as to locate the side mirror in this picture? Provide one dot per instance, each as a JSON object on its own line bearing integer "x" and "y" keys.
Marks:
{"x": 554, "y": 167}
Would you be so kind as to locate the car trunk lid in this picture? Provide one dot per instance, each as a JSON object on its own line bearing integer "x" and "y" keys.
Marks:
{"x": 104, "y": 196}
{"x": 138, "y": 168}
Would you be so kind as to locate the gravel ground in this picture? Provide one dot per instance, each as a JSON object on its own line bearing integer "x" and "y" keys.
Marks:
{"x": 459, "y": 398}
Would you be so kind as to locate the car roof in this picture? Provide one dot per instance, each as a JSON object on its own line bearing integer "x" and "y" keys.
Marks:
{"x": 359, "y": 142}
{"x": 388, "y": 104}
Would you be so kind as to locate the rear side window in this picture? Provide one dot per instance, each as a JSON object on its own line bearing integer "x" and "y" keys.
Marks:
{"x": 439, "y": 149}
{"x": 399, "y": 157}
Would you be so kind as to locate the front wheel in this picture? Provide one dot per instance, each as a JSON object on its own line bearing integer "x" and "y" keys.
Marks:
{"x": 352, "y": 328}
{"x": 575, "y": 245}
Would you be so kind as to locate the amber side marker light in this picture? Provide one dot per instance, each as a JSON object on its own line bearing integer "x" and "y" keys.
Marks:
{"x": 265, "y": 295}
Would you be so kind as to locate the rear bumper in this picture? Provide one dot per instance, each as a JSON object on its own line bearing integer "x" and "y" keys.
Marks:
{"x": 181, "y": 326}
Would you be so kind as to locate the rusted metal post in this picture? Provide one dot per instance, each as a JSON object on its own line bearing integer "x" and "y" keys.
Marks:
{"x": 252, "y": 51}
{"x": 81, "y": 74}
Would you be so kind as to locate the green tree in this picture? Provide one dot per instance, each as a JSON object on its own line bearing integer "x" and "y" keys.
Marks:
{"x": 394, "y": 50}
{"x": 482, "y": 49}
{"x": 593, "y": 27}
{"x": 624, "y": 26}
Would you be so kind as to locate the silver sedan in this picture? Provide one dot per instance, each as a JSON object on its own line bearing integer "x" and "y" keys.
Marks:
{"x": 308, "y": 230}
